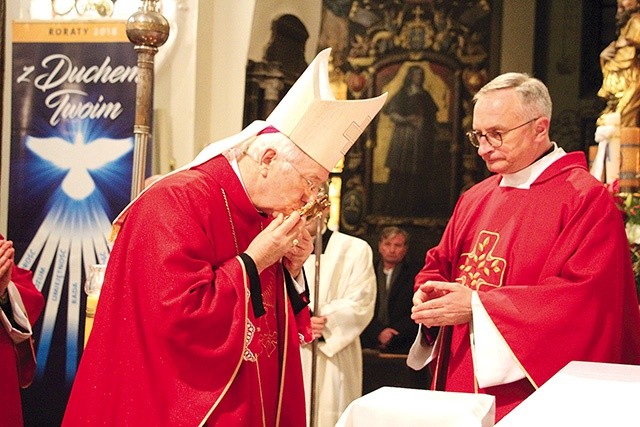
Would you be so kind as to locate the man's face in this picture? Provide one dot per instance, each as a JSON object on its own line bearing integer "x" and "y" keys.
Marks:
{"x": 625, "y": 5}
{"x": 500, "y": 111}
{"x": 291, "y": 184}
{"x": 624, "y": 11}
{"x": 393, "y": 249}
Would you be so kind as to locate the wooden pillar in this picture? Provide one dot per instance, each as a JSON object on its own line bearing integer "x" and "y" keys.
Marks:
{"x": 630, "y": 160}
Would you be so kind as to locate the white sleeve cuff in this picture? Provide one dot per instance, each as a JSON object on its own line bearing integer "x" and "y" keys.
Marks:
{"x": 299, "y": 283}
{"x": 421, "y": 353}
{"x": 493, "y": 360}
{"x": 19, "y": 316}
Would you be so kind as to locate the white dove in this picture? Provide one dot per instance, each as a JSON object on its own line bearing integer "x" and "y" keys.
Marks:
{"x": 78, "y": 158}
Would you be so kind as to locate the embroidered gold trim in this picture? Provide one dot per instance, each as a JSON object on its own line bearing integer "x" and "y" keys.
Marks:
{"x": 235, "y": 372}
{"x": 233, "y": 228}
{"x": 480, "y": 266}
{"x": 473, "y": 361}
{"x": 284, "y": 354}
{"x": 249, "y": 356}
{"x": 249, "y": 332}
{"x": 526, "y": 373}
{"x": 436, "y": 371}
{"x": 246, "y": 314}
{"x": 264, "y": 416}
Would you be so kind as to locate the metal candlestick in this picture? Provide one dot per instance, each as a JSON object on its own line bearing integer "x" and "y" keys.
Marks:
{"x": 147, "y": 29}
{"x": 313, "y": 398}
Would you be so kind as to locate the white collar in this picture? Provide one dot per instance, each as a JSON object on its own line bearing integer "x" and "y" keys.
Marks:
{"x": 236, "y": 168}
{"x": 527, "y": 176}
{"x": 233, "y": 161}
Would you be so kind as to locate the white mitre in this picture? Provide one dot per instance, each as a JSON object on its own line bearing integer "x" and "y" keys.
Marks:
{"x": 321, "y": 126}
{"x": 309, "y": 115}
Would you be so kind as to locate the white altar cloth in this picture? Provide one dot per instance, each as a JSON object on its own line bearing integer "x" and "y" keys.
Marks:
{"x": 393, "y": 406}
{"x": 582, "y": 394}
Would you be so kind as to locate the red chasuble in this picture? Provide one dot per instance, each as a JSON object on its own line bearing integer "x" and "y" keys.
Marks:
{"x": 552, "y": 268}
{"x": 17, "y": 365}
{"x": 175, "y": 340}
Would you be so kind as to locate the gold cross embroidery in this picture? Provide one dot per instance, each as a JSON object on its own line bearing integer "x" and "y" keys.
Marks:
{"x": 479, "y": 267}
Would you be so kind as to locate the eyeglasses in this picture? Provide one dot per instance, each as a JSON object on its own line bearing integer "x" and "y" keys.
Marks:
{"x": 311, "y": 186}
{"x": 494, "y": 137}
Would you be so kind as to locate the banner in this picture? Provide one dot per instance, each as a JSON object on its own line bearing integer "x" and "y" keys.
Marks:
{"x": 72, "y": 117}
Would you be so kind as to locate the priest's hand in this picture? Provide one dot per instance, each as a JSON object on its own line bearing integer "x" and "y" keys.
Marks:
{"x": 317, "y": 325}
{"x": 276, "y": 240}
{"x": 385, "y": 337}
{"x": 6, "y": 264}
{"x": 441, "y": 304}
{"x": 297, "y": 254}
{"x": 427, "y": 292}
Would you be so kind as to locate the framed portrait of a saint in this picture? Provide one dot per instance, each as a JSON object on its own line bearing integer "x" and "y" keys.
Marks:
{"x": 415, "y": 155}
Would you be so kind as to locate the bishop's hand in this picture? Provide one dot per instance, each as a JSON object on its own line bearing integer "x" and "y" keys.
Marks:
{"x": 276, "y": 240}
{"x": 297, "y": 254}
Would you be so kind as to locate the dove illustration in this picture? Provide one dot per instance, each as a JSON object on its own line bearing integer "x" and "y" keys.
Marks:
{"x": 79, "y": 157}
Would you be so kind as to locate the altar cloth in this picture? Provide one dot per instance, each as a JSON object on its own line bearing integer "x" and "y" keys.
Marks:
{"x": 394, "y": 406}
{"x": 582, "y": 394}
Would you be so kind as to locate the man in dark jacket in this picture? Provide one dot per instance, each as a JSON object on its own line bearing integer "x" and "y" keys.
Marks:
{"x": 392, "y": 330}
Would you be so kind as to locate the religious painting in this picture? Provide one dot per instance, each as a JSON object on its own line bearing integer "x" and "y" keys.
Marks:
{"x": 414, "y": 157}
{"x": 412, "y": 162}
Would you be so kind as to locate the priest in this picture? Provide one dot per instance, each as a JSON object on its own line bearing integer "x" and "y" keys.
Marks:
{"x": 533, "y": 270}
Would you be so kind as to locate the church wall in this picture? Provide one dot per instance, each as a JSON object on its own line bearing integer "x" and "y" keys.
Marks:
{"x": 200, "y": 85}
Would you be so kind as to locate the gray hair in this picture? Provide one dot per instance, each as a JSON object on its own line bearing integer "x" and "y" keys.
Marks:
{"x": 391, "y": 231}
{"x": 533, "y": 94}
{"x": 255, "y": 146}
